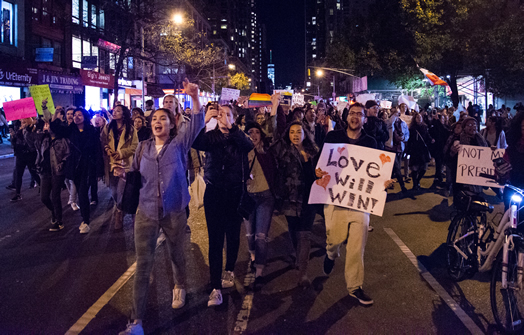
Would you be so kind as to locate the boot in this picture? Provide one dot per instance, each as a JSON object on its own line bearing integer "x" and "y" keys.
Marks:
{"x": 416, "y": 185}
{"x": 119, "y": 219}
{"x": 304, "y": 244}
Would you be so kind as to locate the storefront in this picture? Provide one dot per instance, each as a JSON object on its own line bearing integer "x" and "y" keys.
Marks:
{"x": 67, "y": 89}
{"x": 14, "y": 82}
{"x": 96, "y": 89}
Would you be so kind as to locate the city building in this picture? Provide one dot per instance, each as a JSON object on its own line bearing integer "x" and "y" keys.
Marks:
{"x": 271, "y": 68}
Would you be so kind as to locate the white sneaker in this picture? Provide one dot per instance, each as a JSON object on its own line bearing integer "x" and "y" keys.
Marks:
{"x": 133, "y": 329}
{"x": 370, "y": 228}
{"x": 228, "y": 279}
{"x": 84, "y": 228}
{"x": 179, "y": 298}
{"x": 215, "y": 298}
{"x": 74, "y": 206}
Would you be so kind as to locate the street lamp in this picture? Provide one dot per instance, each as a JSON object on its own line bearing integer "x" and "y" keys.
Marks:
{"x": 178, "y": 19}
{"x": 320, "y": 73}
{"x": 232, "y": 67}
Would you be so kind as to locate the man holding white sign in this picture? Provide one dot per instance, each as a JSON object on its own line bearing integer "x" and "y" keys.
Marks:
{"x": 354, "y": 191}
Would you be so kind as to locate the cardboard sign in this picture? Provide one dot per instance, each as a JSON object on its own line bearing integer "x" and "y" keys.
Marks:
{"x": 355, "y": 177}
{"x": 19, "y": 109}
{"x": 39, "y": 93}
{"x": 385, "y": 104}
{"x": 472, "y": 161}
{"x": 229, "y": 94}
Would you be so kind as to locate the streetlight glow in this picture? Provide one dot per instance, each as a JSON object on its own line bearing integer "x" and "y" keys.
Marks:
{"x": 231, "y": 66}
{"x": 178, "y": 18}
{"x": 320, "y": 73}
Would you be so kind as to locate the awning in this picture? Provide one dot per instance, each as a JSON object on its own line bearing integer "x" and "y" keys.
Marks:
{"x": 133, "y": 91}
{"x": 154, "y": 90}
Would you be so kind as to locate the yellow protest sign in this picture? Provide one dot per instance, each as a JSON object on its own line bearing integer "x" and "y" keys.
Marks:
{"x": 40, "y": 93}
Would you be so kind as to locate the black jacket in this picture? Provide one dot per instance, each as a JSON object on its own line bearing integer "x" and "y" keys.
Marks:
{"x": 377, "y": 129}
{"x": 86, "y": 151}
{"x": 52, "y": 154}
{"x": 226, "y": 156}
{"x": 341, "y": 136}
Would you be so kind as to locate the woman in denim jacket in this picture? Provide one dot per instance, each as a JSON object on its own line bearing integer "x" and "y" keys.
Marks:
{"x": 162, "y": 162}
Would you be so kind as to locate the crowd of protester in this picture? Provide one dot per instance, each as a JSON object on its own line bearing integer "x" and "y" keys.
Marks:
{"x": 267, "y": 154}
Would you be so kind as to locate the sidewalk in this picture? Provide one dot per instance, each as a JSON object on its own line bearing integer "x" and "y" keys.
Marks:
{"x": 6, "y": 150}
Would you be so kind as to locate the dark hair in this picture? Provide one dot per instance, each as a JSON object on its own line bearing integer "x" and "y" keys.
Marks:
{"x": 357, "y": 104}
{"x": 140, "y": 112}
{"x": 515, "y": 133}
{"x": 308, "y": 144}
{"x": 87, "y": 116}
{"x": 172, "y": 120}
{"x": 252, "y": 124}
{"x": 128, "y": 123}
{"x": 150, "y": 103}
{"x": 413, "y": 123}
{"x": 61, "y": 111}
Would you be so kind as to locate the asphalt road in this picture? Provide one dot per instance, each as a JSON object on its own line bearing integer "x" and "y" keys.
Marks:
{"x": 48, "y": 281}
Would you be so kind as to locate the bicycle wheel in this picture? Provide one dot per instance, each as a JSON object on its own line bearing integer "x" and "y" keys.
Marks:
{"x": 459, "y": 267}
{"x": 507, "y": 304}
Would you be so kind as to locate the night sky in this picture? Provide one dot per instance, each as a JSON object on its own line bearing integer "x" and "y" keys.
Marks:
{"x": 284, "y": 21}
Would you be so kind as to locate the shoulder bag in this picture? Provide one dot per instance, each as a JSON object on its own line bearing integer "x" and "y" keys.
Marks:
{"x": 131, "y": 194}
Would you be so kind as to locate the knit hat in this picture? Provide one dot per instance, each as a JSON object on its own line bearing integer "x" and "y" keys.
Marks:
{"x": 253, "y": 124}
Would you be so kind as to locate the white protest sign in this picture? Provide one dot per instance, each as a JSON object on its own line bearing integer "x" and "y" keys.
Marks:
{"x": 229, "y": 94}
{"x": 472, "y": 161}
{"x": 385, "y": 104}
{"x": 298, "y": 99}
{"x": 363, "y": 98}
{"x": 355, "y": 177}
{"x": 341, "y": 105}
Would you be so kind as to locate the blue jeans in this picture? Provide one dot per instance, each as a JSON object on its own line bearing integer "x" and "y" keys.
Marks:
{"x": 257, "y": 228}
{"x": 117, "y": 185}
{"x": 146, "y": 234}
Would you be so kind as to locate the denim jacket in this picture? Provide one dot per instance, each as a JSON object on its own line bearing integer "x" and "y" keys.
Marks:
{"x": 164, "y": 183}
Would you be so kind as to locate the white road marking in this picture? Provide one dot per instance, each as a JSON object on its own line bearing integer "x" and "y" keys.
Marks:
{"x": 101, "y": 302}
{"x": 247, "y": 303}
{"x": 108, "y": 295}
{"x": 459, "y": 312}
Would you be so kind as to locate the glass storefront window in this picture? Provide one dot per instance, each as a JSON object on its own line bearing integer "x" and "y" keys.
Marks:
{"x": 8, "y": 23}
{"x": 8, "y": 93}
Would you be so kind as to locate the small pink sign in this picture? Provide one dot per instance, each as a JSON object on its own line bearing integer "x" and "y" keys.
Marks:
{"x": 19, "y": 109}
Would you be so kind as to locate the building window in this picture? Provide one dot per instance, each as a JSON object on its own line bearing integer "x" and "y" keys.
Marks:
{"x": 331, "y": 11}
{"x": 77, "y": 52}
{"x": 85, "y": 13}
{"x": 76, "y": 11}
{"x": 224, "y": 26}
{"x": 8, "y": 23}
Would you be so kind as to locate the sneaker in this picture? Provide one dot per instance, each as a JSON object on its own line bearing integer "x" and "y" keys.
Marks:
{"x": 56, "y": 227}
{"x": 74, "y": 206}
{"x": 215, "y": 298}
{"x": 70, "y": 202}
{"x": 179, "y": 298}
{"x": 11, "y": 187}
{"x": 328, "y": 265}
{"x": 228, "y": 279}
{"x": 16, "y": 198}
{"x": 133, "y": 329}
{"x": 94, "y": 203}
{"x": 361, "y": 297}
{"x": 370, "y": 228}
{"x": 84, "y": 228}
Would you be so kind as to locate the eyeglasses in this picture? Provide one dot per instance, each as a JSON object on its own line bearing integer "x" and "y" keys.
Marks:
{"x": 359, "y": 114}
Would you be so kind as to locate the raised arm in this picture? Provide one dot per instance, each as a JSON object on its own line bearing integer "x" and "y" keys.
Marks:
{"x": 196, "y": 123}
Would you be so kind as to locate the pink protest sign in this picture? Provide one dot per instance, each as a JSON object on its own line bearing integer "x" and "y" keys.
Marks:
{"x": 19, "y": 109}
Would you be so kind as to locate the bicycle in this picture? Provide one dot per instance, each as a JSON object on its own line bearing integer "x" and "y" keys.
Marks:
{"x": 481, "y": 245}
